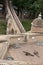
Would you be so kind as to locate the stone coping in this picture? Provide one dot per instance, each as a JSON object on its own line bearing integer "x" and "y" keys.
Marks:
{"x": 4, "y": 62}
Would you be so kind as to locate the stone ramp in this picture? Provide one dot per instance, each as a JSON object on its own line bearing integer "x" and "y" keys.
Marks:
{"x": 21, "y": 28}
{"x": 13, "y": 21}
{"x": 3, "y": 49}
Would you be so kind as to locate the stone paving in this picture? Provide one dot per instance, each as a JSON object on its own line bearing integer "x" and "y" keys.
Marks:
{"x": 19, "y": 55}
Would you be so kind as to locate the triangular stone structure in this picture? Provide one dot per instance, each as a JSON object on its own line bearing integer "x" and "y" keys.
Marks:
{"x": 14, "y": 25}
